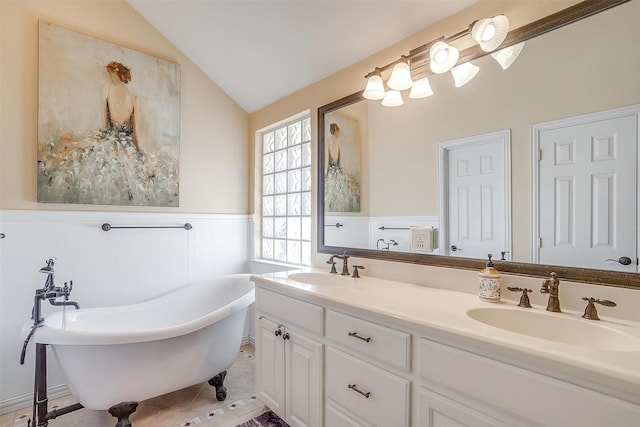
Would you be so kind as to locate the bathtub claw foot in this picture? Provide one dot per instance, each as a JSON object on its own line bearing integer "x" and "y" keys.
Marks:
{"x": 122, "y": 411}
{"x": 217, "y": 382}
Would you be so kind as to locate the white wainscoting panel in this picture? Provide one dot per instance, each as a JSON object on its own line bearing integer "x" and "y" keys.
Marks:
{"x": 120, "y": 266}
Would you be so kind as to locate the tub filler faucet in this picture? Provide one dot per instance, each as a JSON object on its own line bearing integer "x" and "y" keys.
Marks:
{"x": 49, "y": 292}
{"x": 550, "y": 286}
{"x": 41, "y": 414}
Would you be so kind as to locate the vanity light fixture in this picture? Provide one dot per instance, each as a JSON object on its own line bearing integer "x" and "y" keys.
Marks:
{"x": 464, "y": 73}
{"x": 440, "y": 56}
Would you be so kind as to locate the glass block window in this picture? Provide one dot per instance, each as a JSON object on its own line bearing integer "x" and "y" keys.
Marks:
{"x": 286, "y": 193}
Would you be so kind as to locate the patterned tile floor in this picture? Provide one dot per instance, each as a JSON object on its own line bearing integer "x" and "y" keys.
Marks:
{"x": 192, "y": 406}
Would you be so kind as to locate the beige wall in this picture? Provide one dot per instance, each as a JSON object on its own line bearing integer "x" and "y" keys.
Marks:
{"x": 214, "y": 153}
{"x": 426, "y": 122}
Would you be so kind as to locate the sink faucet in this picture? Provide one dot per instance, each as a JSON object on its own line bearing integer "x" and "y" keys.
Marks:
{"x": 550, "y": 286}
{"x": 345, "y": 266}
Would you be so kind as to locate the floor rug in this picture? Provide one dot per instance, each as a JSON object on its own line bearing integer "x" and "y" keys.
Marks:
{"x": 266, "y": 419}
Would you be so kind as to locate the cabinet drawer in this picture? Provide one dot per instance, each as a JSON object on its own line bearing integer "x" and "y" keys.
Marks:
{"x": 388, "y": 401}
{"x": 369, "y": 339}
{"x": 293, "y": 311}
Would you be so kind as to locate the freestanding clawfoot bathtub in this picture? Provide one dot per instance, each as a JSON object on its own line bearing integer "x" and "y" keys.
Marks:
{"x": 134, "y": 352}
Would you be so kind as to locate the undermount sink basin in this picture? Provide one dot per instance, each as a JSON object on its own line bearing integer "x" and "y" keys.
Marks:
{"x": 556, "y": 327}
{"x": 321, "y": 279}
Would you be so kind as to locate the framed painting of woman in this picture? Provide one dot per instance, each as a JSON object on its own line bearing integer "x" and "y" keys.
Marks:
{"x": 342, "y": 166}
{"x": 108, "y": 123}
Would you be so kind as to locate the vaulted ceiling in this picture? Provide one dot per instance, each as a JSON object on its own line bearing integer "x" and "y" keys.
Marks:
{"x": 259, "y": 51}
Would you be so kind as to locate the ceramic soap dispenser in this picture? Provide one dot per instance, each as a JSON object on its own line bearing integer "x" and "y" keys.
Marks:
{"x": 489, "y": 290}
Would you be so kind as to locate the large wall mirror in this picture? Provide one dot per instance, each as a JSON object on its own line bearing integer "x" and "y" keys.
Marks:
{"x": 382, "y": 194}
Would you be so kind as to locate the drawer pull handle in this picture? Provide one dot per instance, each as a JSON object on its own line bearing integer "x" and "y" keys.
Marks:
{"x": 355, "y": 388}
{"x": 355, "y": 335}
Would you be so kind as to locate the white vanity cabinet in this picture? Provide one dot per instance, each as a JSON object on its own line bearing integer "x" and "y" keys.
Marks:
{"x": 289, "y": 360}
{"x": 345, "y": 364}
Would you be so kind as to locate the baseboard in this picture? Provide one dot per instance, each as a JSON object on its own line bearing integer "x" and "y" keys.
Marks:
{"x": 26, "y": 400}
{"x": 248, "y": 340}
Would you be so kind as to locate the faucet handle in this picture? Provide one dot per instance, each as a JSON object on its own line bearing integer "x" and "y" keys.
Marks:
{"x": 333, "y": 265}
{"x": 355, "y": 274}
{"x": 524, "y": 298}
{"x": 590, "y": 311}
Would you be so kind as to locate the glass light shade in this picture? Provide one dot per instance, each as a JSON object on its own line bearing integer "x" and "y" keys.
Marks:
{"x": 421, "y": 89}
{"x": 442, "y": 57}
{"x": 463, "y": 73}
{"x": 375, "y": 88}
{"x": 489, "y": 33}
{"x": 507, "y": 56}
{"x": 392, "y": 98}
{"x": 400, "y": 77}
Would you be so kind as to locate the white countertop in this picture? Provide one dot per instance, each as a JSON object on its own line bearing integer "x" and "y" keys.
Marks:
{"x": 442, "y": 315}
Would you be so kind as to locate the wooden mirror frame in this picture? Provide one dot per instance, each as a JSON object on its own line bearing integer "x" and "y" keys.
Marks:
{"x": 575, "y": 274}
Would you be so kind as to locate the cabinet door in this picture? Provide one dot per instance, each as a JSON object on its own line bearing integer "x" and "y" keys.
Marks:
{"x": 304, "y": 361}
{"x": 270, "y": 365}
{"x": 438, "y": 411}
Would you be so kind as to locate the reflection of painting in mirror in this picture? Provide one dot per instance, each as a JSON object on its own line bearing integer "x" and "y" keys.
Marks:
{"x": 342, "y": 169}
{"x": 108, "y": 123}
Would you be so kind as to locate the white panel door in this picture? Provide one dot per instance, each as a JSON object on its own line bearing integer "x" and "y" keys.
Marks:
{"x": 477, "y": 196}
{"x": 303, "y": 358}
{"x": 270, "y": 365}
{"x": 588, "y": 194}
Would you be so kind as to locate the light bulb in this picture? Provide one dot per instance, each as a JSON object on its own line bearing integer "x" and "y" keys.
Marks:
{"x": 488, "y": 32}
{"x": 441, "y": 56}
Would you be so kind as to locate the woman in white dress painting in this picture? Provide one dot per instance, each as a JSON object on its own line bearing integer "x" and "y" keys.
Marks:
{"x": 341, "y": 190}
{"x": 108, "y": 165}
